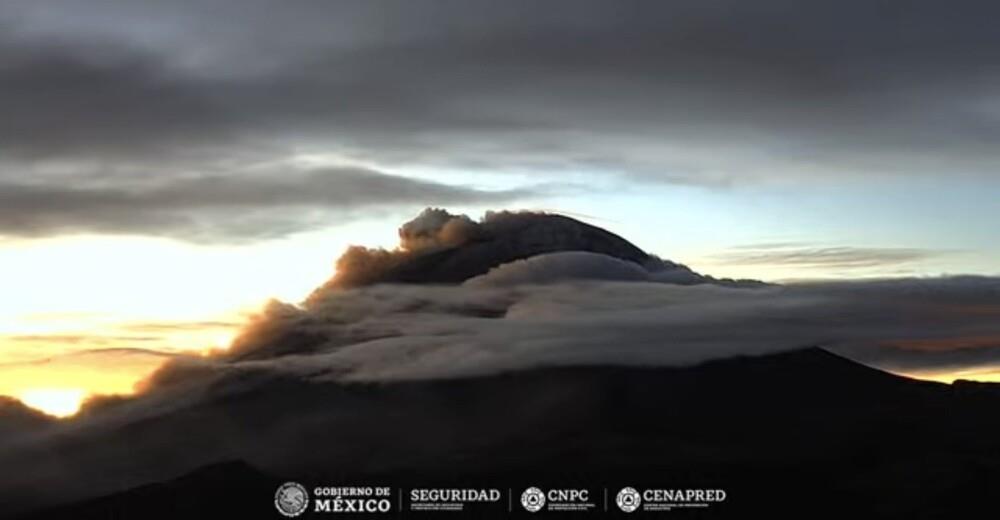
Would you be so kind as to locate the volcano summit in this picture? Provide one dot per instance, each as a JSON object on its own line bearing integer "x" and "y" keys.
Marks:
{"x": 533, "y": 348}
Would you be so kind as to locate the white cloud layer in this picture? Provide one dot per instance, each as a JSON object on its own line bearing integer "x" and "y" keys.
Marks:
{"x": 291, "y": 373}
{"x": 503, "y": 321}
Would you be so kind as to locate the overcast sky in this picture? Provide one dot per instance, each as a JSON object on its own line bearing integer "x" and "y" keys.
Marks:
{"x": 767, "y": 139}
{"x": 232, "y": 149}
{"x": 234, "y": 121}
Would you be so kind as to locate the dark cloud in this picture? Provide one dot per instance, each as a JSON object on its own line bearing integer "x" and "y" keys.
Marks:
{"x": 219, "y": 209}
{"x": 64, "y": 101}
{"x": 676, "y": 91}
{"x": 828, "y": 257}
{"x": 576, "y": 308}
{"x": 387, "y": 333}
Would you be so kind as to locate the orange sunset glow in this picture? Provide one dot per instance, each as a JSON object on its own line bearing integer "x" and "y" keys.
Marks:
{"x": 267, "y": 259}
{"x": 79, "y": 336}
{"x": 103, "y": 321}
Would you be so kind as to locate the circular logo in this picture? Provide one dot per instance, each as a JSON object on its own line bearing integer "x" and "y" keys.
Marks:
{"x": 291, "y": 499}
{"x": 533, "y": 499}
{"x": 628, "y": 499}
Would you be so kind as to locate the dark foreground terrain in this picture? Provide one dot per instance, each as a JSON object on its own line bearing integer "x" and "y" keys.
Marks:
{"x": 806, "y": 433}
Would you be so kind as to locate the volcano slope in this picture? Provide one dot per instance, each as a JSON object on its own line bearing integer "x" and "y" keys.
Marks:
{"x": 803, "y": 432}
{"x": 534, "y": 350}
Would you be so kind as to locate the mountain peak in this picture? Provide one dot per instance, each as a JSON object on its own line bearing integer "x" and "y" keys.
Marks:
{"x": 438, "y": 247}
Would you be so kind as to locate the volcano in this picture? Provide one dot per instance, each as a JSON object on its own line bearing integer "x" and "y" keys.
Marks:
{"x": 781, "y": 434}
{"x": 536, "y": 350}
{"x": 449, "y": 254}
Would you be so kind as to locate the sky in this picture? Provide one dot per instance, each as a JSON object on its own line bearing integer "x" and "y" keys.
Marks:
{"x": 233, "y": 149}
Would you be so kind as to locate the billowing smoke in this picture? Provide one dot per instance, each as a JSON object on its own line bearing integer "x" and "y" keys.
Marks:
{"x": 438, "y": 247}
{"x": 575, "y": 294}
{"x": 566, "y": 295}
{"x": 436, "y": 228}
{"x": 431, "y": 230}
